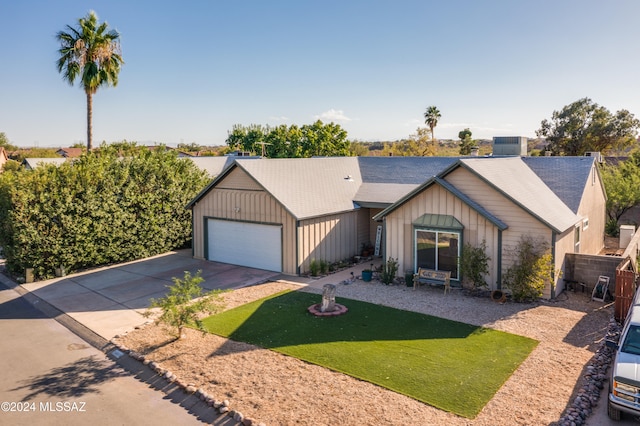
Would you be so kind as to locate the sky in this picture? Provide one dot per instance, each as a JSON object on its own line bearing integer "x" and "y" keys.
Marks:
{"x": 195, "y": 68}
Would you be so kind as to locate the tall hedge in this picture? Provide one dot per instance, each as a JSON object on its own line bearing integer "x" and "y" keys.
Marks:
{"x": 103, "y": 208}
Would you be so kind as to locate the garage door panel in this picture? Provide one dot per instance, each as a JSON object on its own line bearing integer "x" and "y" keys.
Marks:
{"x": 247, "y": 244}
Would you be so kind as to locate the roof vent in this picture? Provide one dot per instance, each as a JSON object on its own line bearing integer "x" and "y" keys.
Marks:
{"x": 348, "y": 178}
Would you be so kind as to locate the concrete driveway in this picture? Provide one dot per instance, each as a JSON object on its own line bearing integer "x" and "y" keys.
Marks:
{"x": 111, "y": 300}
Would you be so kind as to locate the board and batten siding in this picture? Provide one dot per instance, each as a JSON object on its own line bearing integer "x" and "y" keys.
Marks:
{"x": 238, "y": 197}
{"x": 435, "y": 199}
{"x": 364, "y": 229}
{"x": 329, "y": 238}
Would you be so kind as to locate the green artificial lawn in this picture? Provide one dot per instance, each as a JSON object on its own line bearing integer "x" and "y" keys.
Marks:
{"x": 453, "y": 366}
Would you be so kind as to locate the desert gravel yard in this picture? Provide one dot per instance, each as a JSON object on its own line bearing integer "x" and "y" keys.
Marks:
{"x": 280, "y": 390}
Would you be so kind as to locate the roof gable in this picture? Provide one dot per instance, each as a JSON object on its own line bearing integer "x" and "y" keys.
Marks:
{"x": 308, "y": 187}
{"x": 515, "y": 180}
{"x": 453, "y": 190}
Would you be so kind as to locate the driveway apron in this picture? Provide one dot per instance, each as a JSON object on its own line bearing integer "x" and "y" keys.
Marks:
{"x": 110, "y": 300}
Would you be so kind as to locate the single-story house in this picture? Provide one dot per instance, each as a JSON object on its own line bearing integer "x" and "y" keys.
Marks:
{"x": 280, "y": 214}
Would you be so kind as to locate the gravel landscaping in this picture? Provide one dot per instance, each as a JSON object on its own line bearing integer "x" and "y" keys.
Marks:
{"x": 557, "y": 384}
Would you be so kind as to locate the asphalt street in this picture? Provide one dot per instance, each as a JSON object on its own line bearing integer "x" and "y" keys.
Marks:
{"x": 50, "y": 376}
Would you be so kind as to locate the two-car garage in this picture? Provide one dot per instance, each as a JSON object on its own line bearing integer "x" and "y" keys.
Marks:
{"x": 245, "y": 243}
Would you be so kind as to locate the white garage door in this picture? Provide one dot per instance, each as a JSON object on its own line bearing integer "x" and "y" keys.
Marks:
{"x": 246, "y": 244}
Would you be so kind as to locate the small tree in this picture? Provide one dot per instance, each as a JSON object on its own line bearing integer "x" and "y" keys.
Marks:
{"x": 531, "y": 271}
{"x": 185, "y": 303}
{"x": 474, "y": 264}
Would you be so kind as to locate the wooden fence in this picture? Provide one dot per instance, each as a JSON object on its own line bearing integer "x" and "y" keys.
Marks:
{"x": 626, "y": 286}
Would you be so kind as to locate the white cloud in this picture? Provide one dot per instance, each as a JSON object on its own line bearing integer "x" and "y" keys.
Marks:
{"x": 333, "y": 115}
{"x": 281, "y": 118}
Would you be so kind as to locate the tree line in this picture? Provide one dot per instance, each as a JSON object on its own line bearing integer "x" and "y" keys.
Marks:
{"x": 309, "y": 140}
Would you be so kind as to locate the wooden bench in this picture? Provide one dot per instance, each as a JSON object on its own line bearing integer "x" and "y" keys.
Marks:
{"x": 431, "y": 276}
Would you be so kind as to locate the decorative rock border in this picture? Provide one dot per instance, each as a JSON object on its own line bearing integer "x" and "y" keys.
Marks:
{"x": 221, "y": 406}
{"x": 338, "y": 310}
{"x": 593, "y": 381}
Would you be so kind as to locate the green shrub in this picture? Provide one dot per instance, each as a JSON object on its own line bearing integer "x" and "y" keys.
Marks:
{"x": 474, "y": 264}
{"x": 611, "y": 228}
{"x": 314, "y": 267}
{"x": 102, "y": 208}
{"x": 324, "y": 267}
{"x": 531, "y": 271}
{"x": 389, "y": 271}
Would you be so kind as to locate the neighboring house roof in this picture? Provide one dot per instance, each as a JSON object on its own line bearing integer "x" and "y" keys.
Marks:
{"x": 512, "y": 177}
{"x": 309, "y": 188}
{"x": 614, "y": 161}
{"x": 554, "y": 172}
{"x": 212, "y": 165}
{"x": 70, "y": 152}
{"x": 32, "y": 163}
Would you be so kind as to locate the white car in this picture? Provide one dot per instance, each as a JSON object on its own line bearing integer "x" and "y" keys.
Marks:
{"x": 624, "y": 383}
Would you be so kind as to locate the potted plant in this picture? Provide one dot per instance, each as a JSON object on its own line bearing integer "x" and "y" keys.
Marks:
{"x": 367, "y": 250}
{"x": 367, "y": 274}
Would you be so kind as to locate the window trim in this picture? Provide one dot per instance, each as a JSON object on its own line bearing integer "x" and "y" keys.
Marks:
{"x": 437, "y": 231}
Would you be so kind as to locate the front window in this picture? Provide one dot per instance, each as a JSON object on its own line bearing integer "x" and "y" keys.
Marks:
{"x": 438, "y": 250}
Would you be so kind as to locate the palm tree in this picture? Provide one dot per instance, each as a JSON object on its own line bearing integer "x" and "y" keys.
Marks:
{"x": 431, "y": 117}
{"x": 90, "y": 54}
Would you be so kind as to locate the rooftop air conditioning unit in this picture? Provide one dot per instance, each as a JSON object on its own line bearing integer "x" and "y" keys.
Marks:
{"x": 595, "y": 154}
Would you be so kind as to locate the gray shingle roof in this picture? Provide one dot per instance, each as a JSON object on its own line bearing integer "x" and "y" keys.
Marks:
{"x": 403, "y": 170}
{"x": 565, "y": 176}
